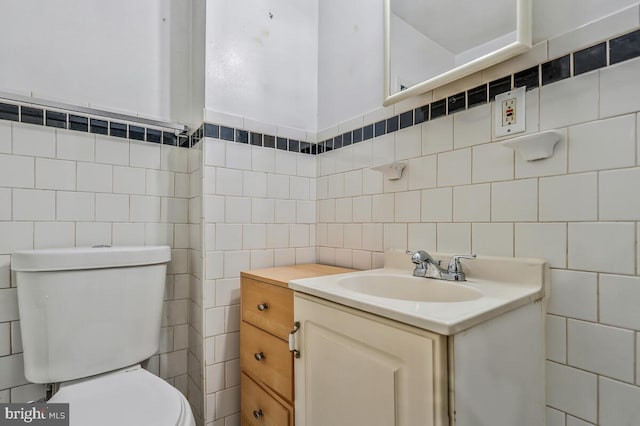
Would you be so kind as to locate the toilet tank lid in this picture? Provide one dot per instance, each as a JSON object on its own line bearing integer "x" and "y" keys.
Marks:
{"x": 65, "y": 259}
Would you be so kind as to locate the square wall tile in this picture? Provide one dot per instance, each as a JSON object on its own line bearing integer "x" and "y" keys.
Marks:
{"x": 454, "y": 168}
{"x": 395, "y": 236}
{"x": 382, "y": 208}
{"x": 77, "y": 146}
{"x": 145, "y": 155}
{"x": 112, "y": 208}
{"x": 569, "y": 198}
{"x": 574, "y": 294}
{"x": 36, "y": 141}
{"x": 17, "y": 171}
{"x": 5, "y": 137}
{"x": 437, "y": 205}
{"x": 160, "y": 183}
{"x": 408, "y": 143}
{"x": 570, "y": 101}
{"x": 492, "y": 162}
{"x": 454, "y": 237}
{"x": 128, "y": 234}
{"x": 618, "y": 403}
{"x": 114, "y": 151}
{"x": 343, "y": 210}
{"x": 372, "y": 236}
{"x": 407, "y": 206}
{"x": 55, "y": 174}
{"x": 618, "y": 301}
{"x": 238, "y": 210}
{"x": 362, "y": 209}
{"x": 603, "y": 144}
{"x": 437, "y": 135}
{"x": 542, "y": 240}
{"x": 335, "y": 186}
{"x": 472, "y": 203}
{"x": 472, "y": 127}
{"x": 372, "y": 182}
{"x": 492, "y": 239}
{"x": 383, "y": 150}
{"x": 229, "y": 182}
{"x": 353, "y": 236}
{"x": 352, "y": 183}
{"x": 54, "y": 234}
{"x": 12, "y": 371}
{"x": 616, "y": 98}
{"x": 126, "y": 180}
{"x": 335, "y": 235}
{"x": 555, "y": 417}
{"x": 74, "y": 206}
{"x": 572, "y": 391}
{"x": 30, "y": 204}
{"x": 254, "y": 184}
{"x": 618, "y": 197}
{"x": 556, "y": 338}
{"x": 601, "y": 349}
{"x": 94, "y": 177}
{"x": 514, "y": 201}
{"x": 421, "y": 172}
{"x": 422, "y": 236}
{"x": 5, "y": 203}
{"x": 144, "y": 208}
{"x": 93, "y": 233}
{"x": 5, "y": 271}
{"x": 602, "y": 247}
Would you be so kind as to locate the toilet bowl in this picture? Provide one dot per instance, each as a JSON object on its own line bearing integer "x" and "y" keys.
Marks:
{"x": 129, "y": 397}
{"x": 88, "y": 318}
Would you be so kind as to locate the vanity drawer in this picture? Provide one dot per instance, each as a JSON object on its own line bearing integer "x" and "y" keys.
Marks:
{"x": 257, "y": 407}
{"x": 275, "y": 368}
{"x": 268, "y": 307}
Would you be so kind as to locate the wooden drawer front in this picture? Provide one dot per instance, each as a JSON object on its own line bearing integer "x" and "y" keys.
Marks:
{"x": 276, "y": 368}
{"x": 277, "y": 319}
{"x": 257, "y": 407}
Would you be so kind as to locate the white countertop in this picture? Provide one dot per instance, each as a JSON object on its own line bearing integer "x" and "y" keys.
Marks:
{"x": 505, "y": 284}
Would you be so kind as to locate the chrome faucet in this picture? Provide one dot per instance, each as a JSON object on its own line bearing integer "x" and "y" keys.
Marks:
{"x": 428, "y": 267}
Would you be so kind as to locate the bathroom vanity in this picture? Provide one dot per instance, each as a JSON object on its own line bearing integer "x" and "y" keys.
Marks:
{"x": 266, "y": 364}
{"x": 384, "y": 348}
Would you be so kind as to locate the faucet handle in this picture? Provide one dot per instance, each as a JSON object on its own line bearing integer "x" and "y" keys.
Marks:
{"x": 454, "y": 263}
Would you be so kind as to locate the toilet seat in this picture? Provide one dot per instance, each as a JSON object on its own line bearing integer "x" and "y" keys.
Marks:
{"x": 130, "y": 397}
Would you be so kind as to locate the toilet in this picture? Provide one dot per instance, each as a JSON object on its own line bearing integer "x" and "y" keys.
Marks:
{"x": 88, "y": 318}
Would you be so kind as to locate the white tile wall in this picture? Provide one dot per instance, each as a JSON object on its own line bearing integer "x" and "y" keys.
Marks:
{"x": 603, "y": 247}
{"x": 602, "y": 349}
{"x": 571, "y": 197}
{"x": 618, "y": 403}
{"x": 472, "y": 203}
{"x": 58, "y": 189}
{"x": 618, "y": 297}
{"x": 574, "y": 294}
{"x": 572, "y": 391}
{"x": 437, "y": 135}
{"x": 570, "y": 101}
{"x": 556, "y": 338}
{"x": 586, "y": 143}
{"x": 617, "y": 199}
{"x": 616, "y": 98}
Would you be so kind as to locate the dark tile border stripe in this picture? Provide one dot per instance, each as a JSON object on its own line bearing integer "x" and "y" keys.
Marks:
{"x": 621, "y": 48}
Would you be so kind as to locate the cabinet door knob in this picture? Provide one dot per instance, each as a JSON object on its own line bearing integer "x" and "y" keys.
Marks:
{"x": 263, "y": 307}
{"x": 259, "y": 356}
{"x": 258, "y": 413}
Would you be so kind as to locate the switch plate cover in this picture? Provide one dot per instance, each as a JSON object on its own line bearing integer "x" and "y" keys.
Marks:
{"x": 509, "y": 113}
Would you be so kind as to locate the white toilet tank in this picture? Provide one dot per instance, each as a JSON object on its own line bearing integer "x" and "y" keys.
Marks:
{"x": 85, "y": 311}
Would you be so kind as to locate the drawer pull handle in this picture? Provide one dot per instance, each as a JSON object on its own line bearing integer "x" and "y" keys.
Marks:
{"x": 259, "y": 356}
{"x": 258, "y": 413}
{"x": 263, "y": 307}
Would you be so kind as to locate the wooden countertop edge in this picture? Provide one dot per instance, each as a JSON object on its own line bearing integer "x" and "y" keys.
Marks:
{"x": 281, "y": 275}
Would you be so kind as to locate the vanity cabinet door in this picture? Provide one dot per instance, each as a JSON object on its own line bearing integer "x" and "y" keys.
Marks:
{"x": 359, "y": 369}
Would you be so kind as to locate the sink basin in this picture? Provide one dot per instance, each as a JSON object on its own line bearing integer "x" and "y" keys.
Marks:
{"x": 407, "y": 287}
